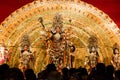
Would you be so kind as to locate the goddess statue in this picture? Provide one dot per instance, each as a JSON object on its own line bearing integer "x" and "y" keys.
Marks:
{"x": 116, "y": 57}
{"x": 72, "y": 56}
{"x": 93, "y": 57}
{"x": 2, "y": 58}
{"x": 25, "y": 55}
{"x": 4, "y": 55}
{"x": 24, "y": 58}
{"x": 58, "y": 44}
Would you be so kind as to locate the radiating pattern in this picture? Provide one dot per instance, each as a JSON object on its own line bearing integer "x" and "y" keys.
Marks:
{"x": 82, "y": 20}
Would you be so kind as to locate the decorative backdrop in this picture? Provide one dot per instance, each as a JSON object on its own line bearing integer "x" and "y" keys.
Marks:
{"x": 81, "y": 19}
{"x": 111, "y": 7}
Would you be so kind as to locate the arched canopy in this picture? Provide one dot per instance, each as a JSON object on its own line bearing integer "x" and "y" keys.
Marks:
{"x": 86, "y": 20}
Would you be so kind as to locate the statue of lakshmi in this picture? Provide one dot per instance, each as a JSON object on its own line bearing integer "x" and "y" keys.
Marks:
{"x": 26, "y": 57}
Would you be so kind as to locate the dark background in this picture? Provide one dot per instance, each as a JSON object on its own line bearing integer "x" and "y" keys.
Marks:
{"x": 110, "y": 7}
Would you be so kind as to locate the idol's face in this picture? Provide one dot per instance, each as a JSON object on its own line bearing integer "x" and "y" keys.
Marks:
{"x": 116, "y": 51}
{"x": 57, "y": 29}
{"x": 72, "y": 48}
{"x": 25, "y": 47}
{"x": 93, "y": 49}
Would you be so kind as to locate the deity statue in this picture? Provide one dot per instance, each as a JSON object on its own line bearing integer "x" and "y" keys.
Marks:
{"x": 86, "y": 63}
{"x": 25, "y": 54}
{"x": 24, "y": 58}
{"x": 4, "y": 55}
{"x": 93, "y": 57}
{"x": 58, "y": 45}
{"x": 116, "y": 57}
{"x": 2, "y": 58}
{"x": 72, "y": 56}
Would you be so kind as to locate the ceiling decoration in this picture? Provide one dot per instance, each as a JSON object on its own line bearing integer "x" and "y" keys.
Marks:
{"x": 80, "y": 18}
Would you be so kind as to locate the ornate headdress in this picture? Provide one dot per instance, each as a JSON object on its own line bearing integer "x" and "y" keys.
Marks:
{"x": 25, "y": 41}
{"x": 57, "y": 22}
{"x": 115, "y": 46}
{"x": 93, "y": 42}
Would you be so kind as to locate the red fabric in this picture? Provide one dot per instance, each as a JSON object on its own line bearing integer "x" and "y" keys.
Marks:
{"x": 110, "y": 7}
{"x": 8, "y": 6}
